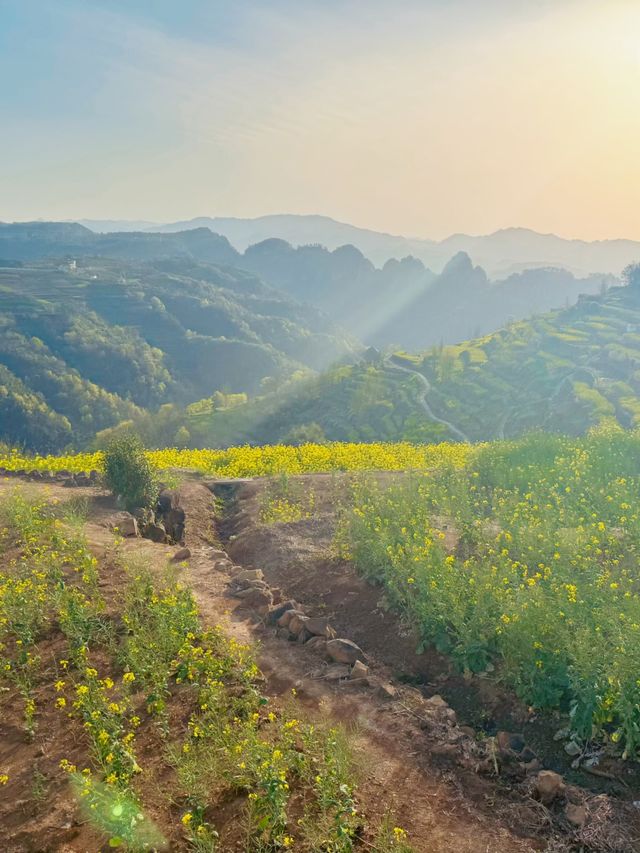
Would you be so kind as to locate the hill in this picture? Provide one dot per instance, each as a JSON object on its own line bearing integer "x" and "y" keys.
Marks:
{"x": 564, "y": 371}
{"x": 500, "y": 253}
{"x": 84, "y": 346}
{"x": 403, "y": 303}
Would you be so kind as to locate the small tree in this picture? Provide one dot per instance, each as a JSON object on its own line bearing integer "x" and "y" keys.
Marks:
{"x": 127, "y": 473}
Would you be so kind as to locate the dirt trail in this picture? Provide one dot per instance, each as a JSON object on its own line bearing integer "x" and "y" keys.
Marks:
{"x": 422, "y": 399}
{"x": 437, "y": 814}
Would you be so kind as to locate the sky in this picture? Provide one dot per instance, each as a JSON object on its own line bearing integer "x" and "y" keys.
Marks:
{"x": 416, "y": 117}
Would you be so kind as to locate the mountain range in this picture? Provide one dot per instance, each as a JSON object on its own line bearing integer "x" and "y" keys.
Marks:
{"x": 501, "y": 253}
{"x": 402, "y": 303}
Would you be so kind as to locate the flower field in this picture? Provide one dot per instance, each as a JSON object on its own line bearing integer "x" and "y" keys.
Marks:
{"x": 523, "y": 560}
{"x": 161, "y": 720}
{"x": 269, "y": 459}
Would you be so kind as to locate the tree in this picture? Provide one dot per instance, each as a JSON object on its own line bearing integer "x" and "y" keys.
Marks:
{"x": 631, "y": 275}
{"x": 127, "y": 473}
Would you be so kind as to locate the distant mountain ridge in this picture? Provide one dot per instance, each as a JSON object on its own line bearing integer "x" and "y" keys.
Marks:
{"x": 500, "y": 253}
{"x": 402, "y": 303}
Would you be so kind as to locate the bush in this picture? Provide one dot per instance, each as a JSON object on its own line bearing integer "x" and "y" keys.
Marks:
{"x": 127, "y": 473}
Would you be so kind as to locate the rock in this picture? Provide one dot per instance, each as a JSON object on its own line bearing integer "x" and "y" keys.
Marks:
{"x": 303, "y": 635}
{"x": 222, "y": 565}
{"x": 575, "y": 814}
{"x": 548, "y": 786}
{"x": 219, "y": 554}
{"x": 281, "y": 609}
{"x": 436, "y": 702}
{"x": 297, "y": 623}
{"x": 573, "y": 749}
{"x": 167, "y": 499}
{"x": 257, "y": 598}
{"x": 385, "y": 690}
{"x": 319, "y": 627}
{"x": 247, "y": 575}
{"x": 94, "y": 476}
{"x": 181, "y": 555}
{"x": 83, "y": 479}
{"x": 284, "y": 620}
{"x": 359, "y": 670}
{"x": 336, "y": 671}
{"x": 282, "y": 633}
{"x": 318, "y": 644}
{"x": 510, "y": 742}
{"x": 277, "y": 594}
{"x": 344, "y": 651}
{"x": 468, "y": 731}
{"x": 437, "y": 706}
{"x": 155, "y": 532}
{"x": 124, "y": 524}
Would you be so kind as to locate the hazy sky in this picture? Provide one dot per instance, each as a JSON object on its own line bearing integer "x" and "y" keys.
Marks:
{"x": 423, "y": 117}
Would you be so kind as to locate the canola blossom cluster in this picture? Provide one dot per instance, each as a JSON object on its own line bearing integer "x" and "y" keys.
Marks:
{"x": 123, "y": 662}
{"x": 267, "y": 460}
{"x": 523, "y": 561}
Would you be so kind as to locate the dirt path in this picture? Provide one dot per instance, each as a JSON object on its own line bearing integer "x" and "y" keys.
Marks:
{"x": 422, "y": 399}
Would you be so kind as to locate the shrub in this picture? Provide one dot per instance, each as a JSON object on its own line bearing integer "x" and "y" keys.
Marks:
{"x": 127, "y": 473}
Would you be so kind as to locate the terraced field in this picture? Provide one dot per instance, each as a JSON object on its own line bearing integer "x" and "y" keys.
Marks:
{"x": 564, "y": 372}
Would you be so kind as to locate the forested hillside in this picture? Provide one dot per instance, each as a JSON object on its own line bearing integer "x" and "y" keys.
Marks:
{"x": 85, "y": 346}
{"x": 402, "y": 303}
{"x": 565, "y": 371}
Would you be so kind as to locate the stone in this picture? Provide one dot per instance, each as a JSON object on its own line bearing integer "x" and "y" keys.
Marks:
{"x": 222, "y": 565}
{"x": 124, "y": 524}
{"x": 219, "y": 554}
{"x": 319, "y": 627}
{"x": 287, "y": 616}
{"x": 436, "y": 706}
{"x": 344, "y": 651}
{"x": 282, "y": 633}
{"x": 155, "y": 532}
{"x": 548, "y": 786}
{"x": 385, "y": 690}
{"x": 359, "y": 670}
{"x": 573, "y": 749}
{"x": 246, "y": 575}
{"x": 575, "y": 814}
{"x": 297, "y": 623}
{"x": 336, "y": 671}
{"x": 83, "y": 479}
{"x": 255, "y": 597}
{"x": 281, "y": 609}
{"x": 436, "y": 702}
{"x": 318, "y": 644}
{"x": 181, "y": 555}
{"x": 468, "y": 731}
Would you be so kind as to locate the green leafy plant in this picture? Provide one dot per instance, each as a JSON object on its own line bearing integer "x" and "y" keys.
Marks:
{"x": 128, "y": 474}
